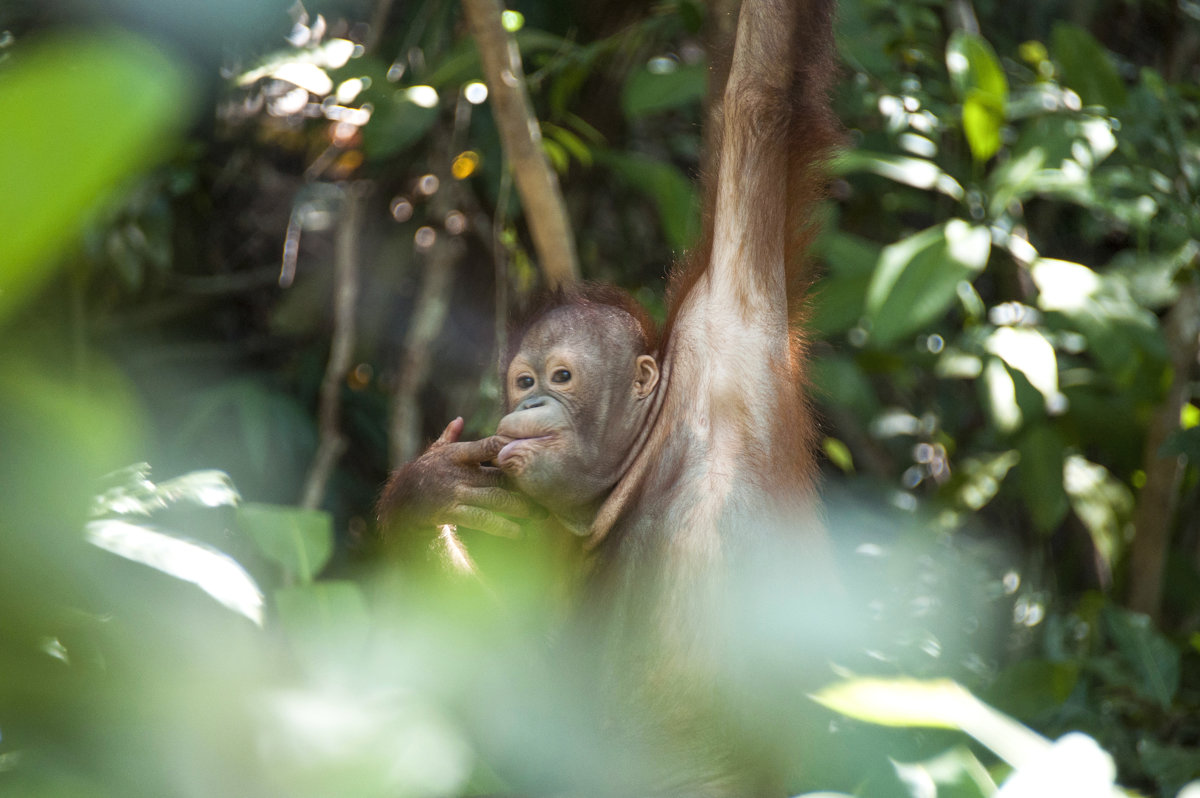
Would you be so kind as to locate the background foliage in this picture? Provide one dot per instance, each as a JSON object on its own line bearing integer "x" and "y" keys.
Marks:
{"x": 1004, "y": 361}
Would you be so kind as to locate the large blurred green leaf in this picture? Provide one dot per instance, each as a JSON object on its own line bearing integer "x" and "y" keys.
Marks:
{"x": 299, "y": 540}
{"x": 673, "y": 194}
{"x": 979, "y": 80}
{"x": 917, "y": 278}
{"x": 1086, "y": 67}
{"x": 81, "y": 113}
{"x": 325, "y": 620}
{"x": 649, "y": 90}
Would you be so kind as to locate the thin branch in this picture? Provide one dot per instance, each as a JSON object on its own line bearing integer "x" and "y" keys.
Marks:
{"x": 520, "y": 135}
{"x": 1158, "y": 498}
{"x": 500, "y": 262}
{"x": 428, "y": 318}
{"x": 331, "y": 442}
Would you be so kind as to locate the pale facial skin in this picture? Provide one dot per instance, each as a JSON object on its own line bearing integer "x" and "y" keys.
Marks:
{"x": 579, "y": 396}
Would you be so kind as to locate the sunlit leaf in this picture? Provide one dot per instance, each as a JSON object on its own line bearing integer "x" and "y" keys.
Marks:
{"x": 82, "y": 113}
{"x": 1119, "y": 332}
{"x": 1063, "y": 285}
{"x": 903, "y": 169}
{"x": 981, "y": 478}
{"x": 982, "y": 120}
{"x": 1028, "y": 351}
{"x": 214, "y": 572}
{"x": 938, "y": 703}
{"x": 1000, "y": 396}
{"x": 979, "y": 80}
{"x": 1103, "y": 503}
{"x": 839, "y": 454}
{"x": 973, "y": 66}
{"x": 900, "y": 702}
{"x": 299, "y": 540}
{"x": 1086, "y": 67}
{"x": 916, "y": 279}
{"x": 135, "y": 494}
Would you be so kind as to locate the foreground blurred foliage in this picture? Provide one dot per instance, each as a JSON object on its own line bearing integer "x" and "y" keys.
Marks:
{"x": 1005, "y": 359}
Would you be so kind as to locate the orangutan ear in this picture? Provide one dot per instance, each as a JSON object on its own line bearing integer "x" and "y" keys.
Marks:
{"x": 646, "y": 376}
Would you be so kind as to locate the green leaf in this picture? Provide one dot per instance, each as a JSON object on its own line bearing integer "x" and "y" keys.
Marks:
{"x": 82, "y": 112}
{"x": 299, "y": 540}
{"x": 979, "y": 80}
{"x": 1184, "y": 442}
{"x": 1173, "y": 766}
{"x": 938, "y": 703}
{"x": 839, "y": 381}
{"x": 1032, "y": 688}
{"x": 652, "y": 90}
{"x": 973, "y": 66}
{"x": 982, "y": 120}
{"x": 838, "y": 454}
{"x": 213, "y": 571}
{"x": 1120, "y": 333}
{"x": 395, "y": 125}
{"x": 979, "y": 478}
{"x": 673, "y": 194}
{"x": 839, "y": 297}
{"x": 904, "y": 169}
{"x": 1040, "y": 474}
{"x": 1151, "y": 656}
{"x": 1028, "y": 351}
{"x": 1086, "y": 67}
{"x": 916, "y": 279}
{"x": 1102, "y": 503}
{"x": 1000, "y": 396}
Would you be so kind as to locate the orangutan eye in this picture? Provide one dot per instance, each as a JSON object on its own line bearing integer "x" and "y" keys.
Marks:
{"x": 560, "y": 376}
{"x": 524, "y": 382}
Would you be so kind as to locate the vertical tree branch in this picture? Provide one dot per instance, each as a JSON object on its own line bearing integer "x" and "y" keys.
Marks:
{"x": 429, "y": 315}
{"x": 331, "y": 442}
{"x": 432, "y": 304}
{"x": 1158, "y": 498}
{"x": 520, "y": 136}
